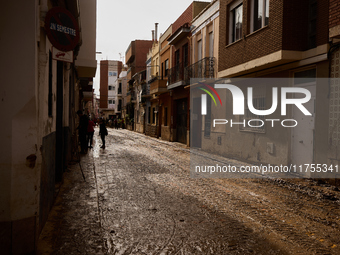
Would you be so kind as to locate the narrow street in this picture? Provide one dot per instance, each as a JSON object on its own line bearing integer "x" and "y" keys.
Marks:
{"x": 138, "y": 198}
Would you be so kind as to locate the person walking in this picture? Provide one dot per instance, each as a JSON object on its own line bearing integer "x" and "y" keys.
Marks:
{"x": 102, "y": 131}
{"x": 83, "y": 124}
{"x": 90, "y": 132}
{"x": 115, "y": 123}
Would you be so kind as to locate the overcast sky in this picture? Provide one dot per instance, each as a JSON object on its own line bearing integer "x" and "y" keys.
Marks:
{"x": 120, "y": 22}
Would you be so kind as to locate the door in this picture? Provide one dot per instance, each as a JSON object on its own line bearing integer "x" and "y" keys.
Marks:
{"x": 159, "y": 121}
{"x": 302, "y": 142}
{"x": 181, "y": 121}
{"x": 196, "y": 124}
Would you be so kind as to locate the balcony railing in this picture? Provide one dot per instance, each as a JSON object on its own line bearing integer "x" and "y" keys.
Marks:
{"x": 205, "y": 68}
{"x": 176, "y": 74}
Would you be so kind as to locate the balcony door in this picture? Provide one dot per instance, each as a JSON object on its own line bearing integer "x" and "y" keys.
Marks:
{"x": 199, "y": 50}
{"x": 181, "y": 127}
{"x": 177, "y": 61}
{"x": 211, "y": 44}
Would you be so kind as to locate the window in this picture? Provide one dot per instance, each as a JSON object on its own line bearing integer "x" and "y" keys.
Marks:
{"x": 166, "y": 64}
{"x": 110, "y": 102}
{"x": 177, "y": 58}
{"x": 111, "y": 88}
{"x": 307, "y": 76}
{"x": 120, "y": 88}
{"x": 259, "y": 102}
{"x": 185, "y": 55}
{"x": 111, "y": 73}
{"x": 236, "y": 20}
{"x": 199, "y": 50}
{"x": 162, "y": 71}
{"x": 312, "y": 21}
{"x": 260, "y": 14}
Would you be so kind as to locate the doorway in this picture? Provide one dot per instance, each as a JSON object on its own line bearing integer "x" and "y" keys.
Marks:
{"x": 182, "y": 120}
{"x": 302, "y": 139}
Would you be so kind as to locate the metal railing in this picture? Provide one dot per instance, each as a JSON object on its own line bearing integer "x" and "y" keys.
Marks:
{"x": 205, "y": 68}
{"x": 176, "y": 73}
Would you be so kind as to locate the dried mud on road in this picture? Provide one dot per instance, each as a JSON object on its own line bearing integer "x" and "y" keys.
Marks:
{"x": 138, "y": 198}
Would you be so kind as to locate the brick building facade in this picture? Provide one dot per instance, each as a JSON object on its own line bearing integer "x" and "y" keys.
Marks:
{"x": 288, "y": 39}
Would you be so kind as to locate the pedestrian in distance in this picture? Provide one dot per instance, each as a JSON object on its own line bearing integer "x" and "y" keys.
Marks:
{"x": 82, "y": 128}
{"x": 115, "y": 123}
{"x": 90, "y": 132}
{"x": 102, "y": 131}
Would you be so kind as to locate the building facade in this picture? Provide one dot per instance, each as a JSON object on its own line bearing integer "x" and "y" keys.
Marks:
{"x": 135, "y": 56}
{"x": 109, "y": 71}
{"x": 165, "y": 106}
{"x": 273, "y": 39}
{"x": 180, "y": 55}
{"x": 121, "y": 94}
{"x": 41, "y": 119}
{"x": 204, "y": 44}
{"x": 157, "y": 86}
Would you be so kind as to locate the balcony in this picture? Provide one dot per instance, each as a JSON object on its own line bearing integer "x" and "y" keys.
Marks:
{"x": 176, "y": 76}
{"x": 205, "y": 68}
{"x": 157, "y": 86}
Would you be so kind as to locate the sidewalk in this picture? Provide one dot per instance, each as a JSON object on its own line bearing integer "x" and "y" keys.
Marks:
{"x": 74, "y": 217}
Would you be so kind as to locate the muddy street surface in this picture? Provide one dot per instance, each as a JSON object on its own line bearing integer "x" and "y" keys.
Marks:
{"x": 139, "y": 198}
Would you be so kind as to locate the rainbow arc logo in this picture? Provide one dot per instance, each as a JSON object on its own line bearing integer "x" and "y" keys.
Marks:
{"x": 210, "y": 91}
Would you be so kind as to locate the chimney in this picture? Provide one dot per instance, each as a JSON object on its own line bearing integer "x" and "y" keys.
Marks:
{"x": 153, "y": 35}
{"x": 156, "y": 35}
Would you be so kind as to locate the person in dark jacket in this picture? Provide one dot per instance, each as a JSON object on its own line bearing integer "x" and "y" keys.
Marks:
{"x": 90, "y": 132}
{"x": 83, "y": 124}
{"x": 102, "y": 131}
